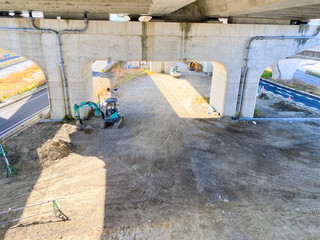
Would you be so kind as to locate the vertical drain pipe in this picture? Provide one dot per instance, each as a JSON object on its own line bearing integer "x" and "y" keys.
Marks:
{"x": 245, "y": 68}
{"x": 58, "y": 34}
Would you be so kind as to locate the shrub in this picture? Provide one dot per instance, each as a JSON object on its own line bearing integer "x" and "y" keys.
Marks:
{"x": 19, "y": 82}
{"x": 266, "y": 74}
{"x": 315, "y": 74}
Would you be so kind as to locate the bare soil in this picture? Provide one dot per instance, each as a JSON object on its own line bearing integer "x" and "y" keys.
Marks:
{"x": 172, "y": 171}
{"x": 270, "y": 105}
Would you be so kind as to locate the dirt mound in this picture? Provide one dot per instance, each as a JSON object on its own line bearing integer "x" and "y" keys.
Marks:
{"x": 53, "y": 150}
{"x": 285, "y": 107}
{"x": 263, "y": 96}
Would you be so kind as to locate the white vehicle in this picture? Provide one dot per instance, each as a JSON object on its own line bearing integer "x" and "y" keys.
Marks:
{"x": 174, "y": 72}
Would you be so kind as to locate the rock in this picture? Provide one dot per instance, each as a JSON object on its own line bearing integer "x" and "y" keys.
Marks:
{"x": 88, "y": 129}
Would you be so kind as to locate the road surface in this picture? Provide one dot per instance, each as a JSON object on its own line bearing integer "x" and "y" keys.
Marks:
{"x": 8, "y": 59}
{"x": 16, "y": 113}
{"x": 21, "y": 111}
{"x": 307, "y": 100}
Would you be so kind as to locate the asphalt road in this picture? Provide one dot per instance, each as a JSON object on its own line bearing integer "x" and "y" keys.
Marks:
{"x": 307, "y": 100}
{"x": 8, "y": 59}
{"x": 21, "y": 111}
{"x": 16, "y": 113}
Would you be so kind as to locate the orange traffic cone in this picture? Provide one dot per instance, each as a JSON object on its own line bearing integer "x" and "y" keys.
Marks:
{"x": 262, "y": 89}
{"x": 289, "y": 98}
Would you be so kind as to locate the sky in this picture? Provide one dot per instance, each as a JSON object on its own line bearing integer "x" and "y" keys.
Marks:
{"x": 116, "y": 18}
{"x": 315, "y": 22}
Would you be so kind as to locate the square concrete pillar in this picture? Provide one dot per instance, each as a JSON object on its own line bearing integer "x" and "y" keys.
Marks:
{"x": 250, "y": 92}
{"x": 156, "y": 66}
{"x": 224, "y": 89}
{"x": 80, "y": 86}
{"x": 56, "y": 99}
{"x": 167, "y": 66}
{"x": 207, "y": 67}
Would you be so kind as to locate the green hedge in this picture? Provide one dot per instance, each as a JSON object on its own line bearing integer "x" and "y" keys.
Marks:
{"x": 316, "y": 74}
{"x": 266, "y": 74}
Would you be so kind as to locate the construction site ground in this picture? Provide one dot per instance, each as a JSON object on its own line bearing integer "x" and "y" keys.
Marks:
{"x": 173, "y": 170}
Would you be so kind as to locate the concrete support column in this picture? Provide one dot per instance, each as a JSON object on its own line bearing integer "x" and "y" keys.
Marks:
{"x": 276, "y": 74}
{"x": 285, "y": 69}
{"x": 48, "y": 61}
{"x": 156, "y": 66}
{"x": 80, "y": 84}
{"x": 167, "y": 66}
{"x": 55, "y": 92}
{"x": 250, "y": 92}
{"x": 207, "y": 67}
{"x": 224, "y": 89}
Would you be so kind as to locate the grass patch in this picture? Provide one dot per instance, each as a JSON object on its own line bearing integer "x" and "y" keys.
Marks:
{"x": 201, "y": 100}
{"x": 315, "y": 74}
{"x": 257, "y": 113}
{"x": 20, "y": 82}
{"x": 266, "y": 74}
{"x": 299, "y": 85}
{"x": 122, "y": 75}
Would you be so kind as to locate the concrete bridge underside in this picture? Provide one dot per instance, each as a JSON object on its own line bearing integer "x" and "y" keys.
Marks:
{"x": 223, "y": 44}
{"x": 192, "y": 10}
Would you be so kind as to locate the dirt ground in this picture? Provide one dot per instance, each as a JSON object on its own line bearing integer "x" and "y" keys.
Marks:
{"x": 270, "y": 105}
{"x": 174, "y": 170}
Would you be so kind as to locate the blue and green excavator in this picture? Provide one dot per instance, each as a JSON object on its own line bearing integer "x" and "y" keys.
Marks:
{"x": 110, "y": 117}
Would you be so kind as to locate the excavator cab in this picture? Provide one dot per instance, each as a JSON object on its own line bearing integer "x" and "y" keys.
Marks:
{"x": 112, "y": 114}
{"x": 111, "y": 110}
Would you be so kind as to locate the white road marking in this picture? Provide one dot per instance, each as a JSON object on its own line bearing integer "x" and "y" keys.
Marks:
{"x": 309, "y": 98}
{"x": 298, "y": 95}
{"x": 279, "y": 92}
{"x": 98, "y": 74}
{"x": 23, "y": 103}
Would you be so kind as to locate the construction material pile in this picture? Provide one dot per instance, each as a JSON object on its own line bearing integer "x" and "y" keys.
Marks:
{"x": 53, "y": 150}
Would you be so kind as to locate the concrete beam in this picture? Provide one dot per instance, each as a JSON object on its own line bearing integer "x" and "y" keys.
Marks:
{"x": 100, "y": 9}
{"x": 163, "y": 7}
{"x": 246, "y": 7}
{"x": 225, "y": 44}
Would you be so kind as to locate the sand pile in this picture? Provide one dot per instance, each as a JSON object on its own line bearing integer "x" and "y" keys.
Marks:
{"x": 53, "y": 150}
